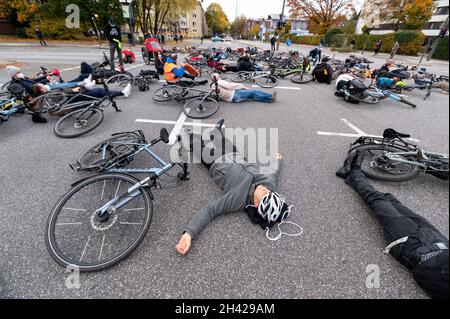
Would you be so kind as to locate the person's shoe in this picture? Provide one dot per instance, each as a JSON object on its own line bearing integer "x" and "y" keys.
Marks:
{"x": 127, "y": 90}
{"x": 91, "y": 85}
{"x": 346, "y": 169}
{"x": 274, "y": 97}
{"x": 37, "y": 118}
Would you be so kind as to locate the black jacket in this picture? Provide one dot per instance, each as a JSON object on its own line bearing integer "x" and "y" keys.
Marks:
{"x": 244, "y": 65}
{"x": 28, "y": 83}
{"x": 113, "y": 33}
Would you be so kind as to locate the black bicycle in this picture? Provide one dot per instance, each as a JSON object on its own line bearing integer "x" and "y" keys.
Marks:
{"x": 392, "y": 158}
{"x": 198, "y": 103}
{"x": 84, "y": 114}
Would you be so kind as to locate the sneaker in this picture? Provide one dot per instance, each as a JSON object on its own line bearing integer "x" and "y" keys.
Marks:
{"x": 86, "y": 81}
{"x": 91, "y": 85}
{"x": 127, "y": 90}
{"x": 274, "y": 97}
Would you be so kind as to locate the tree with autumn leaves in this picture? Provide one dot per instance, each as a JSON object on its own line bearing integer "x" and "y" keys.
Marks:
{"x": 405, "y": 14}
{"x": 322, "y": 14}
{"x": 216, "y": 19}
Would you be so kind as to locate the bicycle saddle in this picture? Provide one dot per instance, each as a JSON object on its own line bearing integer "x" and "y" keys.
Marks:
{"x": 391, "y": 134}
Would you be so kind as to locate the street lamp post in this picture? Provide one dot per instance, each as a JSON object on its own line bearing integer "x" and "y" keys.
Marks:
{"x": 130, "y": 20}
{"x": 97, "y": 31}
{"x": 281, "y": 23}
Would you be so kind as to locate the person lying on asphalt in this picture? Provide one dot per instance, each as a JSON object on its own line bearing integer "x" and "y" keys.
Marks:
{"x": 414, "y": 242}
{"x": 90, "y": 90}
{"x": 237, "y": 93}
{"x": 245, "y": 186}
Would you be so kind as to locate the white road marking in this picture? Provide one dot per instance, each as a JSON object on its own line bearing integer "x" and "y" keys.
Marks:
{"x": 136, "y": 66}
{"x": 354, "y": 127}
{"x": 101, "y": 248}
{"x": 68, "y": 224}
{"x": 198, "y": 124}
{"x": 75, "y": 209}
{"x": 177, "y": 129}
{"x": 70, "y": 69}
{"x": 85, "y": 247}
{"x": 359, "y": 132}
{"x": 281, "y": 87}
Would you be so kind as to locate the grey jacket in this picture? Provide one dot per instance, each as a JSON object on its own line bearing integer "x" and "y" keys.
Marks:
{"x": 238, "y": 179}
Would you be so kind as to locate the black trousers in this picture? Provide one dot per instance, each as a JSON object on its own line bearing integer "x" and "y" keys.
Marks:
{"x": 398, "y": 221}
{"x": 209, "y": 150}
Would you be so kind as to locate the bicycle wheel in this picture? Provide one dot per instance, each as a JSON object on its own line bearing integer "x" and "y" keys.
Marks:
{"x": 78, "y": 122}
{"x": 377, "y": 166}
{"x": 145, "y": 56}
{"x": 110, "y": 151}
{"x": 196, "y": 108}
{"x": 49, "y": 102}
{"x": 240, "y": 76}
{"x": 301, "y": 78}
{"x": 408, "y": 103}
{"x": 365, "y": 98}
{"x": 267, "y": 81}
{"x": 168, "y": 93}
{"x": 118, "y": 81}
{"x": 74, "y": 235}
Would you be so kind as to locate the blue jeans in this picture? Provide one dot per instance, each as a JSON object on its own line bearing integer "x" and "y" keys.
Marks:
{"x": 251, "y": 95}
{"x": 68, "y": 85}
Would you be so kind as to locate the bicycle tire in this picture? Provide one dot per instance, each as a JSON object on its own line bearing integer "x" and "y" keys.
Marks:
{"x": 145, "y": 56}
{"x": 54, "y": 248}
{"x": 301, "y": 78}
{"x": 240, "y": 77}
{"x": 119, "y": 81}
{"x": 194, "y": 110}
{"x": 370, "y": 172}
{"x": 366, "y": 98}
{"x": 165, "y": 94}
{"x": 70, "y": 117}
{"x": 48, "y": 103}
{"x": 87, "y": 163}
{"x": 267, "y": 82}
{"x": 408, "y": 103}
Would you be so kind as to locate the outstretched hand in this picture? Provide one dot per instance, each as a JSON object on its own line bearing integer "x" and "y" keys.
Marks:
{"x": 184, "y": 245}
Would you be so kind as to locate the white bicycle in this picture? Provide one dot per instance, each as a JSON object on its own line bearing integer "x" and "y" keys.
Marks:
{"x": 264, "y": 79}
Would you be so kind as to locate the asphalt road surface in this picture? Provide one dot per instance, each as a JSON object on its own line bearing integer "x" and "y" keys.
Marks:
{"x": 231, "y": 258}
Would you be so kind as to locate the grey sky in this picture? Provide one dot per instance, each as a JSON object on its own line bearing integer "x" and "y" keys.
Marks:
{"x": 251, "y": 8}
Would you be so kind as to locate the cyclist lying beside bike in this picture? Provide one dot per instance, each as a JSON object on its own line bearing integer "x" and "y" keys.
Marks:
{"x": 414, "y": 242}
{"x": 246, "y": 187}
{"x": 91, "y": 90}
{"x": 237, "y": 93}
{"x": 172, "y": 73}
{"x": 19, "y": 78}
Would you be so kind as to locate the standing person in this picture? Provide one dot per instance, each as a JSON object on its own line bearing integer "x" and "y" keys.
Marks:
{"x": 40, "y": 37}
{"x": 201, "y": 40}
{"x": 181, "y": 38}
{"x": 377, "y": 47}
{"x": 175, "y": 37}
{"x": 273, "y": 42}
{"x": 395, "y": 49}
{"x": 114, "y": 36}
{"x": 414, "y": 242}
{"x": 163, "y": 39}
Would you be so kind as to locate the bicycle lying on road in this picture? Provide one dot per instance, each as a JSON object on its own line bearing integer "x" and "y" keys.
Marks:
{"x": 392, "y": 158}
{"x": 199, "y": 104}
{"x": 264, "y": 79}
{"x": 103, "y": 218}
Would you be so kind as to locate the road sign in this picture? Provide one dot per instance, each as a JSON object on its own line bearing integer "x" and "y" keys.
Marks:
{"x": 289, "y": 42}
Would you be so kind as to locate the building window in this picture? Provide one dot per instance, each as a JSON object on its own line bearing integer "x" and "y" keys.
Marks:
{"x": 441, "y": 11}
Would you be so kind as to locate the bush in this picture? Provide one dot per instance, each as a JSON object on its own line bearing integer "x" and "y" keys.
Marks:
{"x": 56, "y": 29}
{"x": 330, "y": 34}
{"x": 307, "y": 39}
{"x": 410, "y": 41}
{"x": 441, "y": 52}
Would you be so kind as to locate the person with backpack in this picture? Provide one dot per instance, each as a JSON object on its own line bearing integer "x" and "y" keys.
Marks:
{"x": 246, "y": 187}
{"x": 40, "y": 37}
{"x": 114, "y": 36}
{"x": 323, "y": 72}
{"x": 273, "y": 42}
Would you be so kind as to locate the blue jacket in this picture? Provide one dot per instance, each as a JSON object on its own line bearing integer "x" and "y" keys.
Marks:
{"x": 179, "y": 72}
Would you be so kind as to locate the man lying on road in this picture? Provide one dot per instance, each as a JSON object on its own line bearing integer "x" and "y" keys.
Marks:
{"x": 414, "y": 242}
{"x": 246, "y": 187}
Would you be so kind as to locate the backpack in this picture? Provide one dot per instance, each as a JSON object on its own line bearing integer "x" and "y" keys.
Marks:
{"x": 323, "y": 73}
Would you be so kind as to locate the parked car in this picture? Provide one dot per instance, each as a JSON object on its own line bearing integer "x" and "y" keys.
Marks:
{"x": 216, "y": 39}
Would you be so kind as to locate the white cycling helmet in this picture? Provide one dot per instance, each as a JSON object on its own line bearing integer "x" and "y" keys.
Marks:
{"x": 272, "y": 206}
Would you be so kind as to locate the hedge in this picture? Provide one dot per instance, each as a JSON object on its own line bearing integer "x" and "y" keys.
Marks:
{"x": 57, "y": 29}
{"x": 410, "y": 41}
{"x": 307, "y": 39}
{"x": 441, "y": 52}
